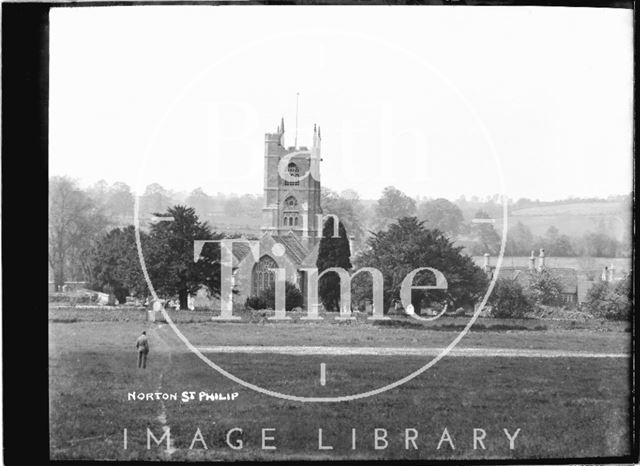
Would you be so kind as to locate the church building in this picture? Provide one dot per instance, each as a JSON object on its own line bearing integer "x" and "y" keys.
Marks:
{"x": 291, "y": 218}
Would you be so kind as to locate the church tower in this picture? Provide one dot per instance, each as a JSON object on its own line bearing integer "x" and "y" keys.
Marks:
{"x": 292, "y": 188}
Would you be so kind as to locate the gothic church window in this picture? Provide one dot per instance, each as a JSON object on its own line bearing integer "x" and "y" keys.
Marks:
{"x": 263, "y": 278}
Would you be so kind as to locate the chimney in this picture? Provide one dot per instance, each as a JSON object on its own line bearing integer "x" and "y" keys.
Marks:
{"x": 532, "y": 261}
{"x": 541, "y": 259}
{"x": 486, "y": 262}
{"x": 611, "y": 269}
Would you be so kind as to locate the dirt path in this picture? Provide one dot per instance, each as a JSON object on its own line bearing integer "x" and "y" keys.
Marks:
{"x": 373, "y": 351}
{"x": 172, "y": 344}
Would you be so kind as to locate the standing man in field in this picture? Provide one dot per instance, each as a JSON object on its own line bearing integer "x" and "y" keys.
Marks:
{"x": 142, "y": 345}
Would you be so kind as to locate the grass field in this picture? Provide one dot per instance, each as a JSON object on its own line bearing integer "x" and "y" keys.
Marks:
{"x": 563, "y": 406}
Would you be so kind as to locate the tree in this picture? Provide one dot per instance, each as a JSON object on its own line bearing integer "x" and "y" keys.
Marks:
{"x": 408, "y": 245}
{"x": 562, "y": 247}
{"x": 626, "y": 243}
{"x": 75, "y": 223}
{"x": 519, "y": 240}
{"x": 610, "y": 300}
{"x": 99, "y": 192}
{"x": 441, "y": 214}
{"x": 544, "y": 287}
{"x": 120, "y": 201}
{"x": 155, "y": 199}
{"x": 509, "y": 300}
{"x": 233, "y": 207}
{"x": 251, "y": 205}
{"x": 170, "y": 257}
{"x": 116, "y": 265}
{"x": 255, "y": 302}
{"x": 393, "y": 205}
{"x": 200, "y": 201}
{"x": 552, "y": 233}
{"x": 600, "y": 245}
{"x": 486, "y": 238}
{"x": 332, "y": 252}
{"x": 556, "y": 244}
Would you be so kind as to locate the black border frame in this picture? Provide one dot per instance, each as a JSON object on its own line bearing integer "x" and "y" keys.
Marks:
{"x": 25, "y": 96}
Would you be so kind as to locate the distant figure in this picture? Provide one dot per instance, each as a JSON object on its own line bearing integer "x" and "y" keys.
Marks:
{"x": 142, "y": 345}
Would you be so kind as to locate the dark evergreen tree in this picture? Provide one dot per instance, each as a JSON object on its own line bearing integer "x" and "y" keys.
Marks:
{"x": 408, "y": 245}
{"x": 332, "y": 252}
{"x": 169, "y": 258}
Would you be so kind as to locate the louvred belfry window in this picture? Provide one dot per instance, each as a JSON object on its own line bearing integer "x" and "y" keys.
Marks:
{"x": 294, "y": 173}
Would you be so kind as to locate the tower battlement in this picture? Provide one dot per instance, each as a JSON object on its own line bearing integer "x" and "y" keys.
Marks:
{"x": 291, "y": 204}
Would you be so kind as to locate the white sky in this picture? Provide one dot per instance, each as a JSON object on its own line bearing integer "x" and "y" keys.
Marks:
{"x": 394, "y": 89}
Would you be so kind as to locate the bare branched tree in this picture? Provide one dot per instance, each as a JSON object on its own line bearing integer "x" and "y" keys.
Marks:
{"x": 75, "y": 224}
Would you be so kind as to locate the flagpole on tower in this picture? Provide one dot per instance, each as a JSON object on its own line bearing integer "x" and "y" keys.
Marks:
{"x": 296, "y": 138}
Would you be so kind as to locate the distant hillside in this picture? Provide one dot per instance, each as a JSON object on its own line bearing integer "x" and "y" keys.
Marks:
{"x": 574, "y": 219}
{"x": 571, "y": 219}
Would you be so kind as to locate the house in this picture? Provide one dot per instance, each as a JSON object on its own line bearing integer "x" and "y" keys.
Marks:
{"x": 568, "y": 277}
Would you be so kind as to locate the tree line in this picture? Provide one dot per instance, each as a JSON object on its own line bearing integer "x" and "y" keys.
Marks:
{"x": 82, "y": 238}
{"x": 521, "y": 242}
{"x": 79, "y": 217}
{"x": 83, "y": 241}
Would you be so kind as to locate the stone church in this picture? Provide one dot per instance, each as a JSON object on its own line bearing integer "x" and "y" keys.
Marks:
{"x": 291, "y": 218}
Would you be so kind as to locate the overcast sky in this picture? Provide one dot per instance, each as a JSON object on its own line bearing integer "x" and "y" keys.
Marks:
{"x": 438, "y": 101}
